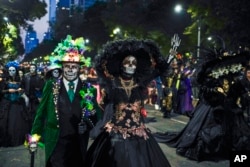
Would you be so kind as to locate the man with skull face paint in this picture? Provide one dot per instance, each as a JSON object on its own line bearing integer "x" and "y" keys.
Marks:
{"x": 122, "y": 139}
{"x": 67, "y": 121}
{"x": 13, "y": 113}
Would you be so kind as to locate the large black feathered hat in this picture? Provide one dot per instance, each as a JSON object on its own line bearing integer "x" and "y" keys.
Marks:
{"x": 109, "y": 62}
{"x": 223, "y": 66}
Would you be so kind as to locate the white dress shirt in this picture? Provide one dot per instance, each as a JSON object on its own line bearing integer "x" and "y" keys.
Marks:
{"x": 66, "y": 84}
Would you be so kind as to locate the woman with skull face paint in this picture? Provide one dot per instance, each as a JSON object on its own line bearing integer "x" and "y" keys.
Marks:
{"x": 121, "y": 137}
{"x": 68, "y": 109}
{"x": 54, "y": 71}
{"x": 13, "y": 113}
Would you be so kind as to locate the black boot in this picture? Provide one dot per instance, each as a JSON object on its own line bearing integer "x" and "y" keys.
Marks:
{"x": 166, "y": 114}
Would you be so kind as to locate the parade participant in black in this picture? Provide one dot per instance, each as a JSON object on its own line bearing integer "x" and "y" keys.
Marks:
{"x": 122, "y": 137}
{"x": 33, "y": 85}
{"x": 2, "y": 78}
{"x": 68, "y": 109}
{"x": 168, "y": 96}
{"x": 13, "y": 113}
{"x": 245, "y": 99}
{"x": 208, "y": 135}
{"x": 238, "y": 103}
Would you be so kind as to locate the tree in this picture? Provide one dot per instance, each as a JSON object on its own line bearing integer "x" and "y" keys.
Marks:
{"x": 18, "y": 13}
{"x": 227, "y": 19}
{"x": 144, "y": 19}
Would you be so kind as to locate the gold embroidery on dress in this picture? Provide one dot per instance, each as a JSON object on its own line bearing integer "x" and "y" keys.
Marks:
{"x": 140, "y": 131}
{"x": 132, "y": 125}
{"x": 120, "y": 114}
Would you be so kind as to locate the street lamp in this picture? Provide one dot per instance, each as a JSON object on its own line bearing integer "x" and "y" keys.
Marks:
{"x": 116, "y": 33}
{"x": 86, "y": 41}
{"x": 217, "y": 42}
{"x": 178, "y": 8}
{"x": 198, "y": 37}
{"x": 5, "y": 19}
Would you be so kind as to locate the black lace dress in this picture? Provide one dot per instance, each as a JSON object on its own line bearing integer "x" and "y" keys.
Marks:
{"x": 206, "y": 136}
{"x": 124, "y": 140}
{"x": 13, "y": 117}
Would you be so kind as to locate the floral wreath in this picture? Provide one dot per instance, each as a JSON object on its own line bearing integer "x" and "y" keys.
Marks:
{"x": 221, "y": 71}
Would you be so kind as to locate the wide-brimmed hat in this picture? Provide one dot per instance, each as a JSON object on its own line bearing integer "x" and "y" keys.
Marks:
{"x": 54, "y": 62}
{"x": 223, "y": 66}
{"x": 108, "y": 63}
{"x": 70, "y": 50}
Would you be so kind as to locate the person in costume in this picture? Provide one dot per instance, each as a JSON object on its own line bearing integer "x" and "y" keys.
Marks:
{"x": 13, "y": 113}
{"x": 213, "y": 128}
{"x": 122, "y": 139}
{"x": 245, "y": 99}
{"x": 68, "y": 109}
{"x": 54, "y": 70}
{"x": 239, "y": 97}
{"x": 168, "y": 96}
{"x": 33, "y": 85}
{"x": 184, "y": 90}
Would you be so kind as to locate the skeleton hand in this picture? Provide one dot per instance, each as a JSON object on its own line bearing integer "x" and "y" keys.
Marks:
{"x": 175, "y": 42}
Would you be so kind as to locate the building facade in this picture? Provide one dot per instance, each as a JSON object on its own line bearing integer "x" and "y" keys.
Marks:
{"x": 31, "y": 41}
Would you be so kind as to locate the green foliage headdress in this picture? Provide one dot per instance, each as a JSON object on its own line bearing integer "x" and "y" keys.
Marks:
{"x": 70, "y": 50}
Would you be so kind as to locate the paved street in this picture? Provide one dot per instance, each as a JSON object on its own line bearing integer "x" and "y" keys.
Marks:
{"x": 20, "y": 156}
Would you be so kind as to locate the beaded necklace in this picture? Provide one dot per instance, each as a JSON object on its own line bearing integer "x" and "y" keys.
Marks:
{"x": 87, "y": 102}
{"x": 55, "y": 91}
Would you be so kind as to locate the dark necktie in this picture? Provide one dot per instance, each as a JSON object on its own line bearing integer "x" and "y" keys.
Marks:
{"x": 71, "y": 90}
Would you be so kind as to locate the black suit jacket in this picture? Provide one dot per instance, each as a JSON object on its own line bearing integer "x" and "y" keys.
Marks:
{"x": 69, "y": 112}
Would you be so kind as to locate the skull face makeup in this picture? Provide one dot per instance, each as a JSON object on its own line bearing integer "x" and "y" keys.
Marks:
{"x": 55, "y": 73}
{"x": 32, "y": 69}
{"x": 129, "y": 65}
{"x": 12, "y": 71}
{"x": 71, "y": 71}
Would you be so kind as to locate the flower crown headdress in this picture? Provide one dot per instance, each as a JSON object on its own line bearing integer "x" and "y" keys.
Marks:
{"x": 54, "y": 62}
{"x": 227, "y": 70}
{"x": 70, "y": 50}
